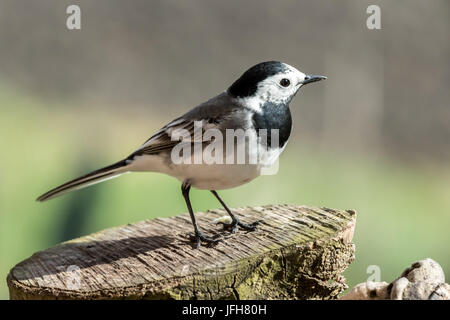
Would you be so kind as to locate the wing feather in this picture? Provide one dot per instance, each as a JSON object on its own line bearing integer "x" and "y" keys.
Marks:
{"x": 220, "y": 113}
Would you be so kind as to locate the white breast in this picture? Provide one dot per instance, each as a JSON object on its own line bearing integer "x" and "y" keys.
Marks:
{"x": 210, "y": 176}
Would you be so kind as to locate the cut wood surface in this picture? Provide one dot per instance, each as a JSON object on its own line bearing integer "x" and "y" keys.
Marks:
{"x": 297, "y": 252}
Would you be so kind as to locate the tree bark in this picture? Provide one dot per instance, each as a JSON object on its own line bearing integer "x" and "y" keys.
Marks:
{"x": 297, "y": 252}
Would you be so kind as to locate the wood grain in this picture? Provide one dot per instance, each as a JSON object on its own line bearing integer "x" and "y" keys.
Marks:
{"x": 298, "y": 252}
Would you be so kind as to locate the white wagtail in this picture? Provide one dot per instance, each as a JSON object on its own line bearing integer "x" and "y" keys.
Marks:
{"x": 257, "y": 102}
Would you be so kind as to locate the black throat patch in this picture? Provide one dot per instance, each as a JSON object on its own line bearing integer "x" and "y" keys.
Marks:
{"x": 274, "y": 116}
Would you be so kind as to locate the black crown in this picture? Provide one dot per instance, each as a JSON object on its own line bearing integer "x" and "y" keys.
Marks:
{"x": 247, "y": 84}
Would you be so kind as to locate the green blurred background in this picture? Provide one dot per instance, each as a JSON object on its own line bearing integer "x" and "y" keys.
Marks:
{"x": 375, "y": 137}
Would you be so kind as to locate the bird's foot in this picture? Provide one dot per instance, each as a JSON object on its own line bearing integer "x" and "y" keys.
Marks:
{"x": 200, "y": 237}
{"x": 233, "y": 226}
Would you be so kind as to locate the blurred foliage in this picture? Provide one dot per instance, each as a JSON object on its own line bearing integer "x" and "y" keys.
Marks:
{"x": 387, "y": 88}
{"x": 374, "y": 137}
{"x": 403, "y": 210}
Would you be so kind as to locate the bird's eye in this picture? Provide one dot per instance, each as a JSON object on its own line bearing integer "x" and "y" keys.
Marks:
{"x": 285, "y": 82}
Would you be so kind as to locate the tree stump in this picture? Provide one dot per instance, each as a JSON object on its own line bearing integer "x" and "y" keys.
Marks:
{"x": 297, "y": 252}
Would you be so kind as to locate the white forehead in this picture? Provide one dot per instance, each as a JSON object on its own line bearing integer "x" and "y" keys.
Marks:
{"x": 270, "y": 90}
{"x": 294, "y": 75}
{"x": 290, "y": 70}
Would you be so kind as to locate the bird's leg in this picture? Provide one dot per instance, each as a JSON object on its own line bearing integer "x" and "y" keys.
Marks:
{"x": 235, "y": 221}
{"x": 198, "y": 235}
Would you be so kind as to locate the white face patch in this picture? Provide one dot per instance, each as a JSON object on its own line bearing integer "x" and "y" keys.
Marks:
{"x": 272, "y": 89}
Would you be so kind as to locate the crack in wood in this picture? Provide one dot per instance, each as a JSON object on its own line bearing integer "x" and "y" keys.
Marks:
{"x": 295, "y": 253}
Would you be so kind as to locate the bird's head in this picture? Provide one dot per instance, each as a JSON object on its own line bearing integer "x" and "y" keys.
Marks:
{"x": 271, "y": 81}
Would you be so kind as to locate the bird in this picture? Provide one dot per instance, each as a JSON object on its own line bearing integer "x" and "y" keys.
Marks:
{"x": 257, "y": 103}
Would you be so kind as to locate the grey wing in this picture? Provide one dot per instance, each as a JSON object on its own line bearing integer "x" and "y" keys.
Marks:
{"x": 221, "y": 112}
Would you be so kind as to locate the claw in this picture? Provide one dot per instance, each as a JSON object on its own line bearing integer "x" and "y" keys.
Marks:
{"x": 200, "y": 237}
{"x": 233, "y": 226}
{"x": 248, "y": 227}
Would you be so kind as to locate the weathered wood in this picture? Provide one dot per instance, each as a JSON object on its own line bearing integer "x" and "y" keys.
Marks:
{"x": 297, "y": 252}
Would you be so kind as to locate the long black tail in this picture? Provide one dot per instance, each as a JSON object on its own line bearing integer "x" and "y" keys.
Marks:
{"x": 89, "y": 179}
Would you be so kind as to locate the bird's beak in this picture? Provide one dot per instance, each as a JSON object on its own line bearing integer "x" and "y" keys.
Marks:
{"x": 312, "y": 78}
